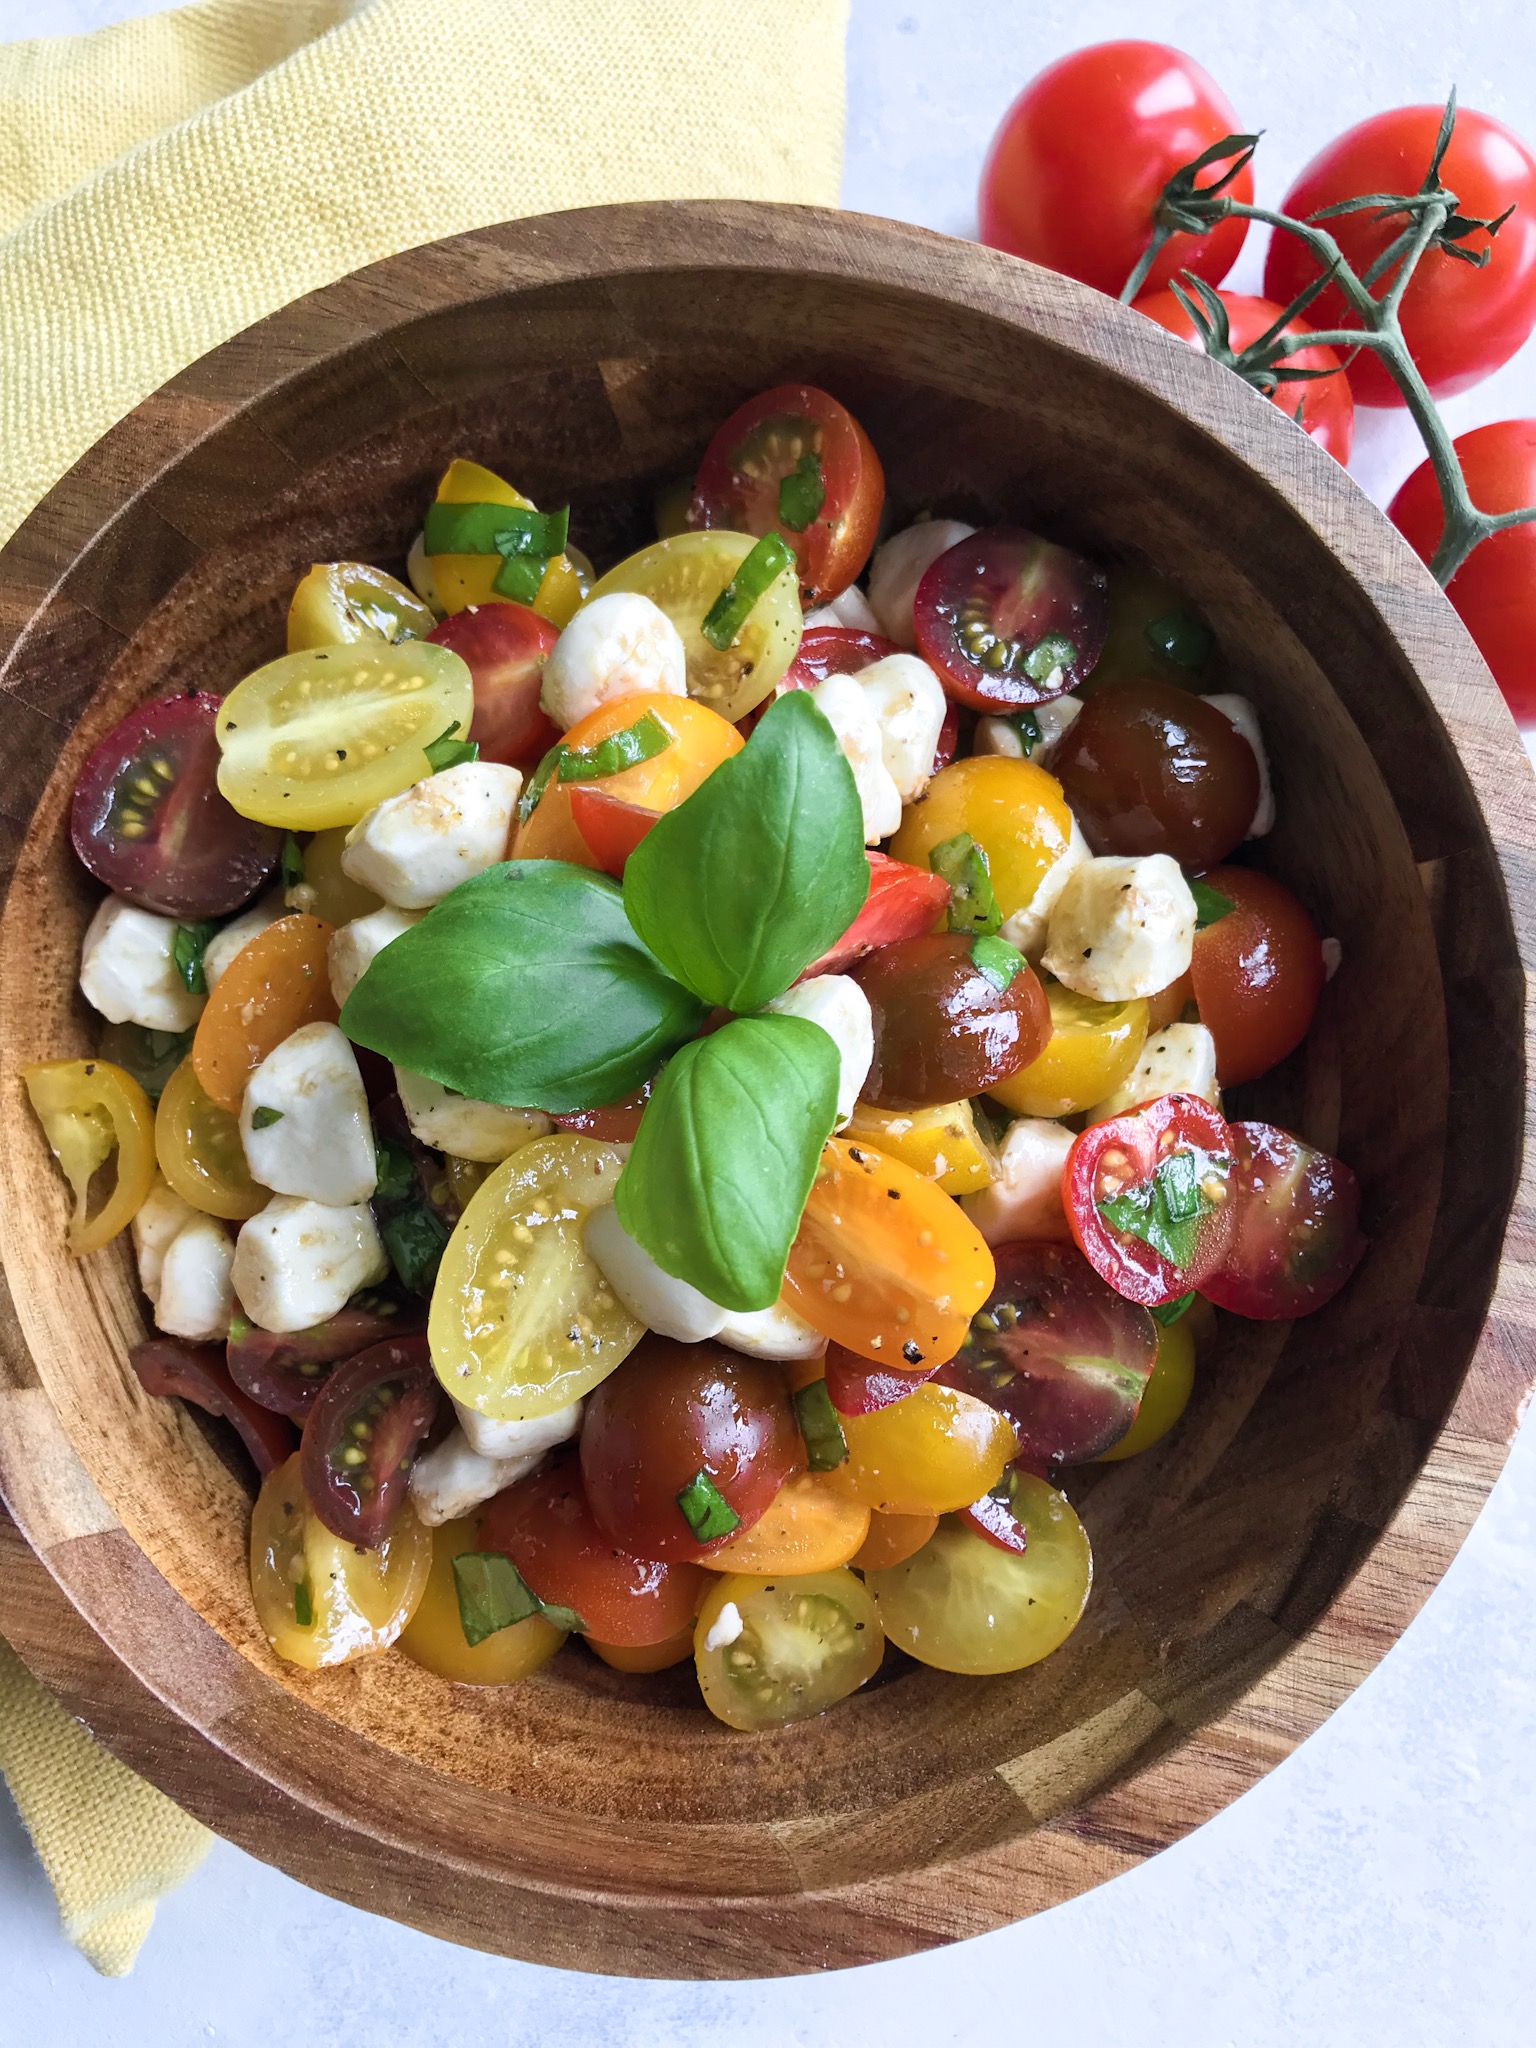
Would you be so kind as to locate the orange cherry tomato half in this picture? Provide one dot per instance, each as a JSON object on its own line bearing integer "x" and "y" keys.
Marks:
{"x": 1256, "y": 974}
{"x": 810, "y": 1525}
{"x": 272, "y": 987}
{"x": 893, "y": 1538}
{"x": 794, "y": 462}
{"x": 884, "y": 1262}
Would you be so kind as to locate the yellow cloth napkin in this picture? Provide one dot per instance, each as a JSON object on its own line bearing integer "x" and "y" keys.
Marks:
{"x": 165, "y": 182}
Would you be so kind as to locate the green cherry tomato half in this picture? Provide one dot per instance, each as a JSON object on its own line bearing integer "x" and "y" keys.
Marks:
{"x": 804, "y": 1643}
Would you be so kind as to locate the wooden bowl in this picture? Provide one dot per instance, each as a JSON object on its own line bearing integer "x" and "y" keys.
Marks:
{"x": 1252, "y": 1568}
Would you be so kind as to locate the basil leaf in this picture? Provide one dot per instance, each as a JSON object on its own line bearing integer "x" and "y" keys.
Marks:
{"x": 802, "y": 493}
{"x": 528, "y": 543}
{"x": 187, "y": 950}
{"x": 150, "y": 1056}
{"x": 760, "y": 870}
{"x": 415, "y": 1239}
{"x": 996, "y": 959}
{"x": 528, "y": 802}
{"x": 726, "y": 1154}
{"x": 303, "y": 1605}
{"x": 1169, "y": 1312}
{"x": 493, "y": 530}
{"x": 524, "y": 986}
{"x": 642, "y": 741}
{"x": 963, "y": 864}
{"x": 1048, "y": 656}
{"x": 293, "y": 863}
{"x": 493, "y": 1595}
{"x": 825, "y": 1445}
{"x": 706, "y": 1510}
{"x": 1167, "y": 1211}
{"x": 265, "y": 1117}
{"x": 447, "y": 752}
{"x": 1210, "y": 905}
{"x": 1181, "y": 638}
{"x": 1027, "y": 726}
{"x": 732, "y": 608}
{"x": 396, "y": 1174}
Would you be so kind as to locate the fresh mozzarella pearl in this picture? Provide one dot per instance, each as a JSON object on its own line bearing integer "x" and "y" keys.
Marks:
{"x": 297, "y": 1262}
{"x": 1002, "y": 736}
{"x": 315, "y": 1139}
{"x": 1027, "y": 928}
{"x": 452, "y": 1478}
{"x": 461, "y": 1125}
{"x": 354, "y": 947}
{"x": 1178, "y": 1060}
{"x": 665, "y": 1304}
{"x": 1025, "y": 1199}
{"x": 1121, "y": 927}
{"x": 413, "y": 848}
{"x": 725, "y": 1628}
{"x": 614, "y": 646}
{"x": 531, "y": 1439}
{"x": 999, "y": 736}
{"x": 909, "y": 701}
{"x": 128, "y": 969}
{"x": 238, "y": 933}
{"x": 850, "y": 608}
{"x": 196, "y": 1296}
{"x": 841, "y": 1008}
{"x": 1243, "y": 715}
{"x": 158, "y": 1218}
{"x": 898, "y": 568}
{"x": 775, "y": 1332}
{"x": 851, "y": 716}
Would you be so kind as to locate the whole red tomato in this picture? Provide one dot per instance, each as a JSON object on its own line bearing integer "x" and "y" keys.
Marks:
{"x": 1495, "y": 587}
{"x": 1327, "y": 409}
{"x": 1082, "y": 156}
{"x": 1459, "y": 322}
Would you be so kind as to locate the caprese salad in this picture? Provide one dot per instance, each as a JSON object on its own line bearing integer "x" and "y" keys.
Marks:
{"x": 678, "y": 1108}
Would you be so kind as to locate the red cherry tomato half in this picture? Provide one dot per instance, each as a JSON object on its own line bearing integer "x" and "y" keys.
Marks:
{"x": 1059, "y": 1352}
{"x": 1148, "y": 1197}
{"x": 1326, "y": 408}
{"x": 949, "y": 737}
{"x": 834, "y": 651}
{"x": 616, "y": 1123}
{"x": 1495, "y": 588}
{"x": 286, "y": 1373}
{"x": 857, "y": 1386}
{"x": 611, "y": 827}
{"x": 1256, "y": 974}
{"x": 1295, "y": 1236}
{"x": 1006, "y": 619}
{"x": 1080, "y": 161}
{"x": 902, "y": 903}
{"x": 545, "y": 1526}
{"x": 148, "y": 819}
{"x": 197, "y": 1373}
{"x": 670, "y": 1412}
{"x": 361, "y": 1436}
{"x": 1460, "y": 322}
{"x": 505, "y": 647}
{"x": 992, "y": 1516}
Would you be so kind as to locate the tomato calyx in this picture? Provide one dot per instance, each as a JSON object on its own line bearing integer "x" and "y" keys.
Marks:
{"x": 1148, "y": 1196}
{"x": 196, "y": 1373}
{"x": 361, "y": 1437}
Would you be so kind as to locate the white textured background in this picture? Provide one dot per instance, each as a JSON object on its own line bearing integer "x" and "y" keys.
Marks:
{"x": 1378, "y": 1888}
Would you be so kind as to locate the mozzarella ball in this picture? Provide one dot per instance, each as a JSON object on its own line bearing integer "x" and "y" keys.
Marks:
{"x": 899, "y": 567}
{"x": 999, "y": 736}
{"x": 850, "y": 609}
{"x": 128, "y": 969}
{"x": 1243, "y": 715}
{"x": 1178, "y": 1060}
{"x": 453, "y": 1477}
{"x": 238, "y": 933}
{"x": 461, "y": 1125}
{"x": 909, "y": 701}
{"x": 851, "y": 716}
{"x": 1121, "y": 927}
{"x": 1027, "y": 928}
{"x": 354, "y": 947}
{"x": 1025, "y": 1199}
{"x": 775, "y": 1332}
{"x": 304, "y": 1120}
{"x": 613, "y": 647}
{"x": 413, "y": 848}
{"x": 665, "y": 1304}
{"x": 841, "y": 1008}
{"x": 530, "y": 1439}
{"x": 1002, "y": 735}
{"x": 156, "y": 1221}
{"x": 297, "y": 1262}
{"x": 197, "y": 1298}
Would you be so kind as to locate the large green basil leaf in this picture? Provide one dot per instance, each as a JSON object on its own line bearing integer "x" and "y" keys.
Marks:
{"x": 526, "y": 986}
{"x": 763, "y": 867}
{"x": 726, "y": 1153}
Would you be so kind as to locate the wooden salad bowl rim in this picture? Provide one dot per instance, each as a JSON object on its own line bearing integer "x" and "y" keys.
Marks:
{"x": 168, "y": 1692}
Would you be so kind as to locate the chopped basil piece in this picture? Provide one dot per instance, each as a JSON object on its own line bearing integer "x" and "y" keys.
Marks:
{"x": 641, "y": 741}
{"x": 997, "y": 960}
{"x": 527, "y": 546}
{"x": 415, "y": 1239}
{"x": 732, "y": 608}
{"x": 187, "y": 950}
{"x": 1169, "y": 1312}
{"x": 493, "y": 530}
{"x": 293, "y": 863}
{"x": 706, "y": 1510}
{"x": 802, "y": 493}
{"x": 303, "y": 1605}
{"x": 528, "y": 802}
{"x": 1049, "y": 655}
{"x": 397, "y": 1176}
{"x": 972, "y": 903}
{"x": 264, "y": 1118}
{"x": 1210, "y": 905}
{"x": 1166, "y": 1211}
{"x": 447, "y": 752}
{"x": 493, "y": 1595}
{"x": 1027, "y": 726}
{"x": 1182, "y": 638}
{"x": 825, "y": 1445}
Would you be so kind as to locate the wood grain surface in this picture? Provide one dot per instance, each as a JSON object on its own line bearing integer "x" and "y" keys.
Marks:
{"x": 1250, "y": 1569}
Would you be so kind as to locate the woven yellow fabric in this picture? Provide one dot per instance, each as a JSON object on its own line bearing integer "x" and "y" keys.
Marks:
{"x": 165, "y": 182}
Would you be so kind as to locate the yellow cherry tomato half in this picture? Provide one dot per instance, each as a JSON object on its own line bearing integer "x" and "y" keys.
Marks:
{"x": 323, "y": 1601}
{"x": 326, "y": 890}
{"x": 434, "y": 1635}
{"x": 1165, "y": 1396}
{"x": 277, "y": 982}
{"x": 884, "y": 1262}
{"x": 1090, "y": 1053}
{"x": 315, "y": 740}
{"x": 943, "y": 1144}
{"x": 811, "y": 1525}
{"x": 646, "y": 1656}
{"x": 339, "y": 602}
{"x": 90, "y": 1109}
{"x": 1014, "y": 811}
{"x": 198, "y": 1147}
{"x": 891, "y": 1538}
{"x": 932, "y": 1452}
{"x": 684, "y": 576}
{"x": 523, "y": 1321}
{"x": 964, "y": 1604}
{"x": 800, "y": 1645}
{"x": 458, "y": 581}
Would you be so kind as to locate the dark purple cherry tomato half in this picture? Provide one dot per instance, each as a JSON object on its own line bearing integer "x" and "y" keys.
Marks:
{"x": 943, "y": 1027}
{"x": 286, "y": 1373}
{"x": 1150, "y": 768}
{"x": 1009, "y": 619}
{"x": 857, "y": 1386}
{"x": 670, "y": 1412}
{"x": 362, "y": 1435}
{"x": 505, "y": 647}
{"x": 1296, "y": 1227}
{"x": 835, "y": 651}
{"x": 1057, "y": 1351}
{"x": 148, "y": 819}
{"x": 197, "y": 1373}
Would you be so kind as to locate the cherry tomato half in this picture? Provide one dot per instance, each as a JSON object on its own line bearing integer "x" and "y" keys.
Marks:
{"x": 286, "y": 1373}
{"x": 1090, "y": 1053}
{"x": 1295, "y": 1235}
{"x": 857, "y": 1386}
{"x": 810, "y": 1525}
{"x": 90, "y": 1109}
{"x": 943, "y": 1028}
{"x": 504, "y": 646}
{"x": 1007, "y": 619}
{"x": 902, "y": 902}
{"x": 805, "y": 1642}
{"x": 610, "y": 827}
{"x": 835, "y": 651}
{"x": 339, "y": 602}
{"x": 276, "y": 984}
{"x": 199, "y": 1151}
{"x": 1080, "y": 161}
{"x": 794, "y": 462}
{"x": 1460, "y": 322}
{"x": 892, "y": 1539}
{"x": 1167, "y": 1391}
{"x": 197, "y": 1373}
{"x": 546, "y": 1527}
{"x": 148, "y": 819}
{"x": 1321, "y": 406}
{"x": 361, "y": 1435}
{"x": 1013, "y": 810}
{"x": 1148, "y": 1196}
{"x": 1256, "y": 974}
{"x": 936, "y": 1451}
{"x": 434, "y": 1636}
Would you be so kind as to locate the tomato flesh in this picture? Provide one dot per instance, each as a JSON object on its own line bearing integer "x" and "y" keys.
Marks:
{"x": 857, "y": 1386}
{"x": 197, "y": 1373}
{"x": 943, "y": 1028}
{"x": 1148, "y": 1196}
{"x": 197, "y": 1145}
{"x": 1321, "y": 405}
{"x": 286, "y": 1373}
{"x": 1256, "y": 974}
{"x": 903, "y": 901}
{"x": 611, "y": 827}
{"x": 148, "y": 820}
{"x": 1007, "y": 619}
{"x": 1295, "y": 1236}
{"x": 835, "y": 651}
{"x": 362, "y": 1434}
{"x": 805, "y": 1642}
{"x": 274, "y": 986}
{"x": 90, "y": 1109}
{"x": 504, "y": 646}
